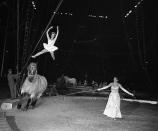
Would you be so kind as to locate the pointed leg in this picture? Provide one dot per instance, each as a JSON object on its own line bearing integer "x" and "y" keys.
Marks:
{"x": 40, "y": 53}
{"x": 52, "y": 54}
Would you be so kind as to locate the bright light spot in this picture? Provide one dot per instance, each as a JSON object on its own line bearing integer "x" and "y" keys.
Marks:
{"x": 33, "y": 4}
{"x": 130, "y": 11}
{"x": 134, "y": 7}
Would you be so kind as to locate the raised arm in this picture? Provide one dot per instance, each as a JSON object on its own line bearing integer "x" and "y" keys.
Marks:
{"x": 48, "y": 32}
{"x": 123, "y": 89}
{"x": 57, "y": 34}
{"x": 105, "y": 87}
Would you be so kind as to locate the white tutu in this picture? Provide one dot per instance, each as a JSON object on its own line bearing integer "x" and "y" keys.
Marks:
{"x": 50, "y": 47}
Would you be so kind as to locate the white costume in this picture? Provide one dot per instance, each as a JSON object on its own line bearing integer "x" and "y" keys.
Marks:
{"x": 112, "y": 108}
{"x": 50, "y": 46}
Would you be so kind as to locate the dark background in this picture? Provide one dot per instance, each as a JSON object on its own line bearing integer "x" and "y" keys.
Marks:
{"x": 99, "y": 47}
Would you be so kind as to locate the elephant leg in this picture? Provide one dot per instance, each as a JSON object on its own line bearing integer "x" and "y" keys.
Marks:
{"x": 34, "y": 103}
{"x": 19, "y": 105}
{"x": 23, "y": 102}
{"x": 23, "y": 105}
{"x": 28, "y": 103}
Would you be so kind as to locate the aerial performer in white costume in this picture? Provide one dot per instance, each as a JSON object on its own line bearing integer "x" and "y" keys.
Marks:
{"x": 112, "y": 108}
{"x": 50, "y": 46}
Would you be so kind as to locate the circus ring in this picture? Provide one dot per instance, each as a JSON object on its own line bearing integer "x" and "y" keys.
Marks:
{"x": 75, "y": 113}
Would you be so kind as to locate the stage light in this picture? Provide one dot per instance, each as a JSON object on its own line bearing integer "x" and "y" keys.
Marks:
{"x": 134, "y": 7}
{"x": 90, "y": 15}
{"x": 33, "y": 4}
{"x": 130, "y": 11}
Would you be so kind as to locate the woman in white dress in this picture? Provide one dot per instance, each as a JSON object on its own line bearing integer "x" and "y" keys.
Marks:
{"x": 112, "y": 108}
{"x": 50, "y": 46}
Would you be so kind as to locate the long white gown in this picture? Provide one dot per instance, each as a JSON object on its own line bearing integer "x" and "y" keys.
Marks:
{"x": 112, "y": 108}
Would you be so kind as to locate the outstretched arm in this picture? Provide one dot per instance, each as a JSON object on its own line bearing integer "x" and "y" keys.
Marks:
{"x": 125, "y": 90}
{"x": 105, "y": 87}
{"x": 48, "y": 32}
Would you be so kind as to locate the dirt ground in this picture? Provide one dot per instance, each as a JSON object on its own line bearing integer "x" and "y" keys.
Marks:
{"x": 59, "y": 113}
